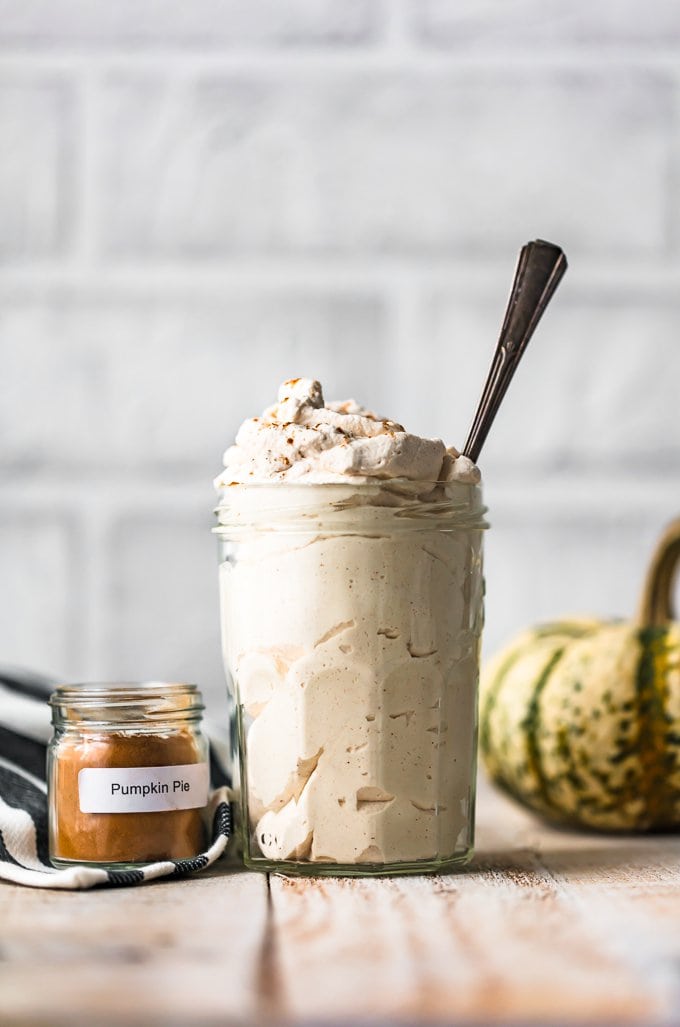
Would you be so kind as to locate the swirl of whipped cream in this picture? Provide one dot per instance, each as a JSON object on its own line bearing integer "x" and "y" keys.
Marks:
{"x": 302, "y": 438}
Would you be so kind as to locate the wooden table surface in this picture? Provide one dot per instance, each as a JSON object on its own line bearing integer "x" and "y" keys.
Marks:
{"x": 545, "y": 926}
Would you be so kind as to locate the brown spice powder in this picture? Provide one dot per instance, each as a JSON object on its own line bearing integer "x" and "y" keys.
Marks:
{"x": 122, "y": 837}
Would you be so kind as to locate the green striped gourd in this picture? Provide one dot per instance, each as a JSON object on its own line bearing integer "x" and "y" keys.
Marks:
{"x": 580, "y": 719}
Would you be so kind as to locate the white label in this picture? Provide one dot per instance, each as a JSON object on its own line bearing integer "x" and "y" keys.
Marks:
{"x": 143, "y": 789}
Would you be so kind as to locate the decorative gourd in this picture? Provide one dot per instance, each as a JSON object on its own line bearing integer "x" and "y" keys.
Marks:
{"x": 580, "y": 719}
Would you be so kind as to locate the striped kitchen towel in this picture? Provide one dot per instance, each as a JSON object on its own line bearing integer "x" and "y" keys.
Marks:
{"x": 25, "y": 730}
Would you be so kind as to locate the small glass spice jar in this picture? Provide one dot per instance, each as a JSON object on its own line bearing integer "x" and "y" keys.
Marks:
{"x": 127, "y": 774}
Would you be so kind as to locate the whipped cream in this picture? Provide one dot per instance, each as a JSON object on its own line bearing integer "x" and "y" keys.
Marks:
{"x": 352, "y": 639}
{"x": 302, "y": 438}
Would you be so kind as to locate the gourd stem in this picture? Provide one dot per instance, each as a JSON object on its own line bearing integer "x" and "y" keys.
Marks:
{"x": 656, "y": 605}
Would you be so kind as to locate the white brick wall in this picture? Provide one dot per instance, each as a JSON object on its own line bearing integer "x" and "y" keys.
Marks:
{"x": 204, "y": 23}
{"x": 405, "y": 163}
{"x": 115, "y": 382}
{"x": 485, "y": 24}
{"x": 36, "y": 132}
{"x": 197, "y": 200}
{"x": 41, "y": 563}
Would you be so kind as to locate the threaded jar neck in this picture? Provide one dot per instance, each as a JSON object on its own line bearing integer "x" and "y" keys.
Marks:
{"x": 118, "y": 706}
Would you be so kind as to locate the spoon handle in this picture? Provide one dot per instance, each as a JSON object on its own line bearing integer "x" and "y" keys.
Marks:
{"x": 540, "y": 267}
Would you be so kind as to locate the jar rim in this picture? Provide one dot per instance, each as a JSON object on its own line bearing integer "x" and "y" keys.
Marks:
{"x": 104, "y": 703}
{"x": 131, "y": 690}
{"x": 295, "y": 505}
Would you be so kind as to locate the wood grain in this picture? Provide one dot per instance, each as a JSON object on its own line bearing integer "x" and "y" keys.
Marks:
{"x": 544, "y": 926}
{"x": 512, "y": 937}
{"x": 179, "y": 952}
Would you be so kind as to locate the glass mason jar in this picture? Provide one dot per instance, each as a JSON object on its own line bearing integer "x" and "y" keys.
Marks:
{"x": 127, "y": 774}
{"x": 351, "y": 622}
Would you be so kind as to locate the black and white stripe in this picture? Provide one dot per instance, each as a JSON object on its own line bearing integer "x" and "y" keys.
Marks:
{"x": 25, "y": 731}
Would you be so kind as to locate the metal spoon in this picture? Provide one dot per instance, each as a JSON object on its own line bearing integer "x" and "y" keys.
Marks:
{"x": 540, "y": 267}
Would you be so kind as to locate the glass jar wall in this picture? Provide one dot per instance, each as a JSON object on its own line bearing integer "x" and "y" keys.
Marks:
{"x": 351, "y": 622}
